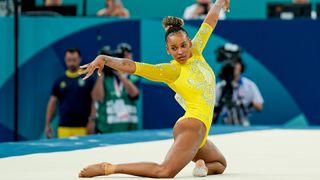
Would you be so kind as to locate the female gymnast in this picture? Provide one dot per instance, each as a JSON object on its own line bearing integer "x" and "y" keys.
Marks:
{"x": 193, "y": 80}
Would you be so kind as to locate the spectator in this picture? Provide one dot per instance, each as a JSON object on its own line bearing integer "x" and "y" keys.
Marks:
{"x": 6, "y": 8}
{"x": 53, "y": 2}
{"x": 244, "y": 96}
{"x": 200, "y": 9}
{"x": 300, "y": 1}
{"x": 116, "y": 93}
{"x": 114, "y": 8}
{"x": 74, "y": 97}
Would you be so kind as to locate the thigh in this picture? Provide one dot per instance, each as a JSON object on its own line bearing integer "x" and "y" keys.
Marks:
{"x": 188, "y": 134}
{"x": 210, "y": 153}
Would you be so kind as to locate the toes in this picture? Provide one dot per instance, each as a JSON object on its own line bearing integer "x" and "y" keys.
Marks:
{"x": 82, "y": 173}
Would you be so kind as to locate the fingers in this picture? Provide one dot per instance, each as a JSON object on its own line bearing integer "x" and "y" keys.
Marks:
{"x": 100, "y": 71}
{"x": 227, "y": 6}
{"x": 48, "y": 135}
{"x": 84, "y": 66}
{"x": 89, "y": 72}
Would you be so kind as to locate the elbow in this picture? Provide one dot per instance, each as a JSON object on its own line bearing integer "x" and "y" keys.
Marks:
{"x": 134, "y": 94}
{"x": 259, "y": 107}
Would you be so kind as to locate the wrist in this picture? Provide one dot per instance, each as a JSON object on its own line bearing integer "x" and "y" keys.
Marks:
{"x": 103, "y": 58}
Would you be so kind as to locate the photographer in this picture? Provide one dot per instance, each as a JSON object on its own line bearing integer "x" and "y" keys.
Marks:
{"x": 116, "y": 95}
{"x": 200, "y": 9}
{"x": 236, "y": 95}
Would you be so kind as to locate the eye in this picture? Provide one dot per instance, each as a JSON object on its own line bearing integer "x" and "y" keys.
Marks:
{"x": 173, "y": 48}
{"x": 183, "y": 45}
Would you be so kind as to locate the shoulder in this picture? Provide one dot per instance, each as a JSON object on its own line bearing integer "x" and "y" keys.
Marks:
{"x": 248, "y": 82}
{"x": 191, "y": 7}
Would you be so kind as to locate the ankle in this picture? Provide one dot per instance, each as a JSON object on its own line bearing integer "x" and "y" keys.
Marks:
{"x": 109, "y": 168}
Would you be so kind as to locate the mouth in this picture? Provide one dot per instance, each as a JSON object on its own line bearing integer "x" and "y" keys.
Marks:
{"x": 182, "y": 58}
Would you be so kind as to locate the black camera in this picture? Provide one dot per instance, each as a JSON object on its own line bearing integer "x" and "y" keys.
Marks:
{"x": 229, "y": 55}
{"x": 122, "y": 48}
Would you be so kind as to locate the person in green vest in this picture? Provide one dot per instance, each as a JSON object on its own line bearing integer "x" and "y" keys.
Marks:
{"x": 116, "y": 96}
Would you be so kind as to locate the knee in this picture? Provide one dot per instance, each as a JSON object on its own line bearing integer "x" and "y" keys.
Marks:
{"x": 165, "y": 172}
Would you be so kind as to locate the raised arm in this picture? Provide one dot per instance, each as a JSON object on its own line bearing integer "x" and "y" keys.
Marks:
{"x": 213, "y": 15}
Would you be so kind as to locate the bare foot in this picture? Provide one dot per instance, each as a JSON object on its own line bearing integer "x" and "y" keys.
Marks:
{"x": 96, "y": 170}
{"x": 200, "y": 170}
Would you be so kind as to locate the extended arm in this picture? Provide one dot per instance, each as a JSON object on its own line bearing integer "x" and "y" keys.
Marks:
{"x": 213, "y": 15}
{"x": 120, "y": 64}
{"x": 161, "y": 72}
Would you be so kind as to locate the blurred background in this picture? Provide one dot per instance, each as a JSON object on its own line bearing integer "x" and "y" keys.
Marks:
{"x": 278, "y": 41}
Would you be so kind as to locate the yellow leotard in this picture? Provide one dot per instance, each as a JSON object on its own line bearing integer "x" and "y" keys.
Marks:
{"x": 193, "y": 81}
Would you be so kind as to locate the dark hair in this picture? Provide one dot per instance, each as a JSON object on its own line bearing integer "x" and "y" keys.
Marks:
{"x": 172, "y": 25}
{"x": 74, "y": 50}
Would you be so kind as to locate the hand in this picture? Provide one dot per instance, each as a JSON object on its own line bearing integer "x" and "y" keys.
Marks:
{"x": 226, "y": 6}
{"x": 89, "y": 68}
{"x": 198, "y": 11}
{"x": 48, "y": 131}
{"x": 91, "y": 127}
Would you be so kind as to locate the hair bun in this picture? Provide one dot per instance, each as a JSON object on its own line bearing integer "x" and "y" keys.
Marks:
{"x": 171, "y": 21}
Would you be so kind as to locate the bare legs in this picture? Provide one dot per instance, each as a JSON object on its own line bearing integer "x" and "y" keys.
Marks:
{"x": 188, "y": 135}
{"x": 212, "y": 157}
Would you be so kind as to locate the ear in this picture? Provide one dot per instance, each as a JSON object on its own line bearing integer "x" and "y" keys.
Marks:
{"x": 190, "y": 43}
{"x": 167, "y": 50}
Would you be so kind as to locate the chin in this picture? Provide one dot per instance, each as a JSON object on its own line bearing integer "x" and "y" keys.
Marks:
{"x": 182, "y": 61}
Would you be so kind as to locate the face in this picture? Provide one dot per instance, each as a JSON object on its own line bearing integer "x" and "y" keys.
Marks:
{"x": 72, "y": 61}
{"x": 179, "y": 46}
{"x": 53, "y": 2}
{"x": 237, "y": 71}
{"x": 110, "y": 3}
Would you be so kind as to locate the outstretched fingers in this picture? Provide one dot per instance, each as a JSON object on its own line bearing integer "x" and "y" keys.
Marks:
{"x": 89, "y": 69}
{"x": 100, "y": 70}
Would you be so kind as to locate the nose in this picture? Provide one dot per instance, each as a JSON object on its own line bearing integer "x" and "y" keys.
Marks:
{"x": 179, "y": 51}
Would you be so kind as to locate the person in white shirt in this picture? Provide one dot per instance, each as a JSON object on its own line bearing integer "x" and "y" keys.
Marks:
{"x": 200, "y": 9}
{"x": 244, "y": 97}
